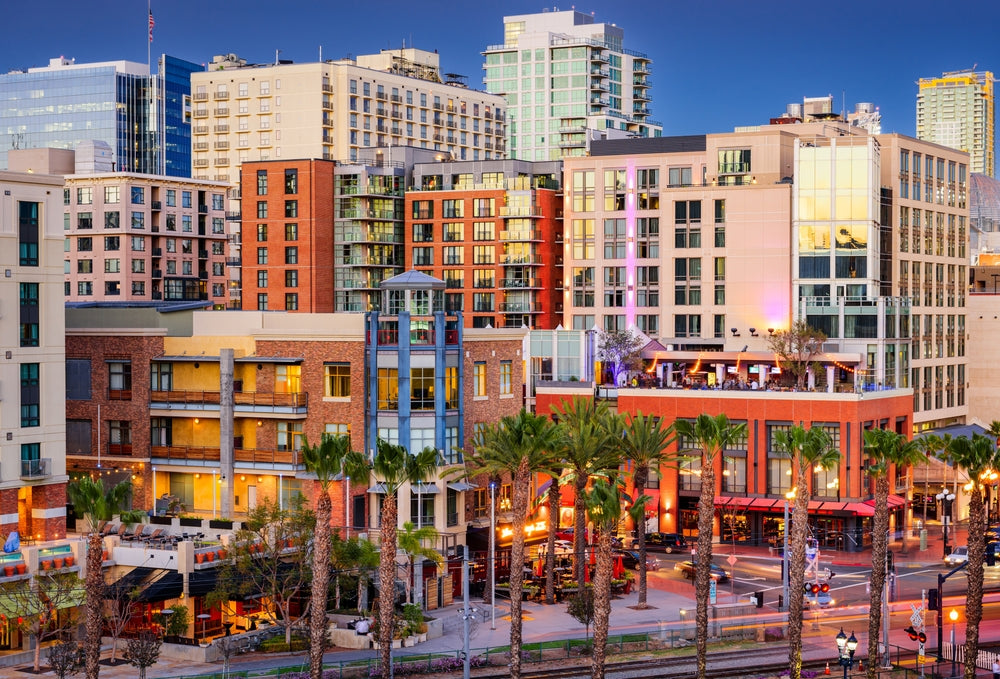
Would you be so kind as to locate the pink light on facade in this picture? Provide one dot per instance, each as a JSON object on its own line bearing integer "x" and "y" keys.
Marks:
{"x": 630, "y": 272}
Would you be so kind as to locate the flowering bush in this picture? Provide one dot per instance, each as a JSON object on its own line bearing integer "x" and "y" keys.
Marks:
{"x": 436, "y": 666}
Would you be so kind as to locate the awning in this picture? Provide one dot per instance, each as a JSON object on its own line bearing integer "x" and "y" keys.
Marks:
{"x": 860, "y": 508}
{"x": 18, "y": 600}
{"x": 425, "y": 488}
{"x": 200, "y": 583}
{"x": 733, "y": 502}
{"x": 168, "y": 585}
{"x": 461, "y": 486}
{"x": 894, "y": 502}
{"x": 378, "y": 488}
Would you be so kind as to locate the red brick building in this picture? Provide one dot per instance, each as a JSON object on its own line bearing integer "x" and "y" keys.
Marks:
{"x": 752, "y": 479}
{"x": 493, "y": 232}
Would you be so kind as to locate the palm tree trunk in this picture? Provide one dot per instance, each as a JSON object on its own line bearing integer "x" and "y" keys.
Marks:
{"x": 880, "y": 540}
{"x": 974, "y": 571}
{"x": 519, "y": 507}
{"x": 579, "y": 531}
{"x": 703, "y": 572}
{"x": 796, "y": 571}
{"x": 488, "y": 594}
{"x": 641, "y": 474}
{"x": 550, "y": 551}
{"x": 94, "y": 587}
{"x": 387, "y": 582}
{"x": 602, "y": 602}
{"x": 320, "y": 585}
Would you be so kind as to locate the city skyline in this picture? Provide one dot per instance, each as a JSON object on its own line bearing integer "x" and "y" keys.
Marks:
{"x": 698, "y": 56}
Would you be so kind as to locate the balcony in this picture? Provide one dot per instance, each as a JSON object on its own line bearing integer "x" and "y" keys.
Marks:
{"x": 203, "y": 209}
{"x": 221, "y": 96}
{"x": 36, "y": 469}
{"x": 515, "y": 260}
{"x": 245, "y": 401}
{"x": 221, "y": 162}
{"x": 222, "y": 146}
{"x": 381, "y": 96}
{"x": 156, "y": 205}
{"x": 201, "y": 113}
{"x": 521, "y": 235}
{"x": 196, "y": 456}
{"x": 221, "y": 129}
{"x": 157, "y": 273}
{"x": 200, "y": 162}
{"x": 200, "y": 96}
{"x": 520, "y": 308}
{"x": 157, "y": 294}
{"x": 234, "y": 216}
{"x": 520, "y": 283}
{"x": 388, "y": 335}
{"x": 222, "y": 111}
{"x": 520, "y": 211}
{"x": 328, "y": 89}
{"x": 200, "y": 146}
{"x": 157, "y": 252}
{"x": 200, "y": 129}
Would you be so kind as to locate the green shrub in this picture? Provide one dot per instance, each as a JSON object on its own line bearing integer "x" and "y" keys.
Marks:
{"x": 278, "y": 645}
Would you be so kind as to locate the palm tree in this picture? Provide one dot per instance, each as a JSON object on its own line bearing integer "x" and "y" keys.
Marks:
{"x": 552, "y": 497}
{"x": 711, "y": 436}
{"x": 589, "y": 448}
{"x": 885, "y": 449}
{"x": 97, "y": 504}
{"x": 604, "y": 507}
{"x": 392, "y": 467}
{"x": 644, "y": 443}
{"x": 978, "y": 456}
{"x": 520, "y": 445}
{"x": 326, "y": 461}
{"x": 809, "y": 449}
{"x": 411, "y": 541}
{"x": 931, "y": 445}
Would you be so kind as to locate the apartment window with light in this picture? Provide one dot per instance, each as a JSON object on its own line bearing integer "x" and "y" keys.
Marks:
{"x": 291, "y": 232}
{"x": 262, "y": 233}
{"x": 388, "y": 388}
{"x": 779, "y": 468}
{"x": 479, "y": 379}
{"x": 120, "y": 380}
{"x": 291, "y": 301}
{"x": 289, "y": 436}
{"x": 452, "y": 208}
{"x": 291, "y": 181}
{"x": 337, "y": 380}
{"x": 506, "y": 376}
{"x": 453, "y": 231}
{"x": 291, "y": 208}
{"x": 112, "y": 194}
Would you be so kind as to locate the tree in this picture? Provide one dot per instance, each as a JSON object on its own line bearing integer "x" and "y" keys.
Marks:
{"x": 97, "y": 504}
{"x": 269, "y": 556}
{"x": 522, "y": 446}
{"x": 710, "y": 436}
{"x": 65, "y": 658}
{"x": 392, "y": 467}
{"x": 620, "y": 350}
{"x": 552, "y": 498}
{"x": 588, "y": 447}
{"x": 581, "y": 608}
{"x": 326, "y": 461}
{"x": 978, "y": 456}
{"x": 119, "y": 607}
{"x": 411, "y": 541}
{"x": 644, "y": 443}
{"x": 809, "y": 450}
{"x": 143, "y": 651}
{"x": 885, "y": 449}
{"x": 796, "y": 349}
{"x": 44, "y": 606}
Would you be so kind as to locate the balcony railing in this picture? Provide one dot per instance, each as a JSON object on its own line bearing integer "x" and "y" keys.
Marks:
{"x": 36, "y": 469}
{"x": 242, "y": 398}
{"x": 240, "y": 455}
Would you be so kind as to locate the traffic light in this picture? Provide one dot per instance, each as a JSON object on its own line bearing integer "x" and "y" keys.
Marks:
{"x": 760, "y": 599}
{"x": 912, "y": 633}
{"x": 812, "y": 588}
{"x": 932, "y": 600}
{"x": 991, "y": 555}
{"x": 922, "y": 638}
{"x": 824, "y": 587}
{"x": 889, "y": 565}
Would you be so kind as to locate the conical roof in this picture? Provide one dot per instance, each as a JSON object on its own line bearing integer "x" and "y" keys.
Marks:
{"x": 413, "y": 280}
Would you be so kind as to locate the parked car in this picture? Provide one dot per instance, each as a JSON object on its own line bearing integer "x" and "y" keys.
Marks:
{"x": 821, "y": 599}
{"x": 958, "y": 555}
{"x": 630, "y": 559}
{"x": 689, "y": 568}
{"x": 666, "y": 542}
{"x": 567, "y": 534}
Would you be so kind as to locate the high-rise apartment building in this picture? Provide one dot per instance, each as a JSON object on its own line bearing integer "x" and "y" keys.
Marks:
{"x": 144, "y": 118}
{"x": 33, "y": 451}
{"x": 568, "y": 80}
{"x": 957, "y": 110}
{"x": 493, "y": 232}
{"x": 769, "y": 225}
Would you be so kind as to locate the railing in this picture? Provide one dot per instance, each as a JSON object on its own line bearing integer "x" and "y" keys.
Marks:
{"x": 520, "y": 211}
{"x": 36, "y": 469}
{"x": 246, "y": 455}
{"x": 243, "y": 398}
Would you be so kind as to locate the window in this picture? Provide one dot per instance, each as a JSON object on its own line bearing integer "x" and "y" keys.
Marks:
{"x": 292, "y": 279}
{"x": 30, "y": 395}
{"x": 112, "y": 194}
{"x": 85, "y": 220}
{"x": 291, "y": 301}
{"x": 423, "y": 233}
{"x": 291, "y": 255}
{"x": 779, "y": 469}
{"x": 291, "y": 181}
{"x": 262, "y": 255}
{"x": 119, "y": 437}
{"x": 291, "y": 232}
{"x": 423, "y": 209}
{"x": 84, "y": 288}
{"x": 479, "y": 378}
{"x": 112, "y": 220}
{"x": 78, "y": 379}
{"x": 85, "y": 266}
{"x": 422, "y": 388}
{"x": 506, "y": 373}
{"x": 138, "y": 220}
{"x": 262, "y": 301}
{"x": 112, "y": 243}
{"x": 261, "y": 182}
{"x": 483, "y": 231}
{"x": 291, "y": 208}
{"x": 388, "y": 388}
{"x": 452, "y": 208}
{"x": 218, "y": 202}
{"x": 453, "y": 231}
{"x": 261, "y": 209}
{"x": 29, "y": 314}
{"x": 27, "y": 233}
{"x": 161, "y": 376}
{"x": 171, "y": 198}
{"x": 185, "y": 199}
{"x": 423, "y": 256}
{"x": 139, "y": 288}
{"x": 112, "y": 265}
{"x": 454, "y": 256}
{"x": 484, "y": 207}
{"x": 679, "y": 176}
{"x": 262, "y": 233}
{"x": 337, "y": 380}
{"x": 262, "y": 279}
{"x": 138, "y": 195}
{"x": 85, "y": 244}
{"x": 289, "y": 436}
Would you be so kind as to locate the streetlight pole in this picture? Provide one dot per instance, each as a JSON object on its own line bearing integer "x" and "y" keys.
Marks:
{"x": 784, "y": 559}
{"x": 493, "y": 548}
{"x": 845, "y": 650}
{"x": 946, "y": 499}
{"x": 953, "y": 616}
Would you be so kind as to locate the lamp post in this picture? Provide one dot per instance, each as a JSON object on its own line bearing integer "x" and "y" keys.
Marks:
{"x": 493, "y": 547}
{"x": 166, "y": 613}
{"x": 946, "y": 499}
{"x": 789, "y": 496}
{"x": 845, "y": 650}
{"x": 953, "y": 616}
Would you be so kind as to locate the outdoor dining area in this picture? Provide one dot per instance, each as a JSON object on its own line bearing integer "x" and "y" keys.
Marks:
{"x": 566, "y": 586}
{"x": 144, "y": 535}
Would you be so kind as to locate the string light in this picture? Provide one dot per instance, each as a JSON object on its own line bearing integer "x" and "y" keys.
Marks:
{"x": 697, "y": 366}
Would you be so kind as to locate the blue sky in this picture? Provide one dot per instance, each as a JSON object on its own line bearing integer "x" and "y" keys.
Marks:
{"x": 716, "y": 64}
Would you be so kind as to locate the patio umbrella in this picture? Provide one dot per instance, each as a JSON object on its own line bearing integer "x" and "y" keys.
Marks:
{"x": 619, "y": 569}
{"x": 541, "y": 567}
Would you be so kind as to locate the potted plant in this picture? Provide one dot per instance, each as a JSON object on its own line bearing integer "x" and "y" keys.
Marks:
{"x": 21, "y": 568}
{"x": 160, "y": 520}
{"x": 222, "y": 522}
{"x": 58, "y": 562}
{"x": 8, "y": 571}
{"x": 200, "y": 557}
{"x": 191, "y": 521}
{"x": 46, "y": 564}
{"x": 70, "y": 560}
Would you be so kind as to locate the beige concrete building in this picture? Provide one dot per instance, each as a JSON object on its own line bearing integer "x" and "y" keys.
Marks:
{"x": 711, "y": 243}
{"x": 248, "y": 112}
{"x": 33, "y": 375}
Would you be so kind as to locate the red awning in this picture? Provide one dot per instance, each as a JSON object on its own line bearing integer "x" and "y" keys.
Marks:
{"x": 860, "y": 508}
{"x": 894, "y": 502}
{"x": 732, "y": 502}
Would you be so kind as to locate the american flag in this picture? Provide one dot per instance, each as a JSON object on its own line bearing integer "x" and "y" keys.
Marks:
{"x": 151, "y": 24}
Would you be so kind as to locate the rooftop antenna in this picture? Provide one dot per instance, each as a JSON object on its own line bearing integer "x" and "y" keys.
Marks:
{"x": 843, "y": 104}
{"x": 321, "y": 54}
{"x": 276, "y": 53}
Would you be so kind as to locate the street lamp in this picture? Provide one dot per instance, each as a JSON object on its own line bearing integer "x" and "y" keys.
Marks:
{"x": 845, "y": 650}
{"x": 789, "y": 496}
{"x": 493, "y": 547}
{"x": 953, "y": 616}
{"x": 946, "y": 499}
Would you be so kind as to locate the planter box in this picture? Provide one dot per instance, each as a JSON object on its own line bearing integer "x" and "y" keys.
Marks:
{"x": 218, "y": 523}
{"x": 160, "y": 520}
{"x": 193, "y": 523}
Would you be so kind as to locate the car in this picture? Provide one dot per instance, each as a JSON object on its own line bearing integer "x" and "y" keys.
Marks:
{"x": 630, "y": 559}
{"x": 958, "y": 555}
{"x": 567, "y": 534}
{"x": 689, "y": 568}
{"x": 821, "y": 599}
{"x": 667, "y": 542}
